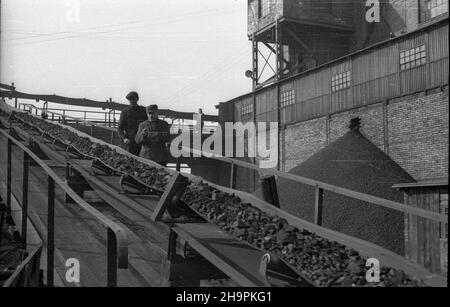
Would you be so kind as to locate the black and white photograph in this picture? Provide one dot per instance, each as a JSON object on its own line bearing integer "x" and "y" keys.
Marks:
{"x": 223, "y": 149}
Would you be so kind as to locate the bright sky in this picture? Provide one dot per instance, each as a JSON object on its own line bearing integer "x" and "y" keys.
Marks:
{"x": 180, "y": 54}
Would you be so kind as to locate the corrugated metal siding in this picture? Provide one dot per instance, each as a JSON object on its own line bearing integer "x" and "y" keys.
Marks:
{"x": 438, "y": 43}
{"x": 412, "y": 41}
{"x": 376, "y": 76}
{"x": 439, "y": 72}
{"x": 413, "y": 80}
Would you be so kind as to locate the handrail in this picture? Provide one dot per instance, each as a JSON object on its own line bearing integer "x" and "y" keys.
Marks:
{"x": 90, "y": 121}
{"x": 329, "y": 187}
{"x": 17, "y": 277}
{"x": 77, "y": 120}
{"x": 117, "y": 244}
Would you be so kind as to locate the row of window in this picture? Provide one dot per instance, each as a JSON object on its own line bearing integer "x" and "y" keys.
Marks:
{"x": 408, "y": 59}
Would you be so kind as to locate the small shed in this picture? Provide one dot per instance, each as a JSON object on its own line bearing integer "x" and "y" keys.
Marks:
{"x": 426, "y": 242}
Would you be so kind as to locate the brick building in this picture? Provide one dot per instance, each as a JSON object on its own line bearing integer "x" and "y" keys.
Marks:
{"x": 392, "y": 74}
{"x": 331, "y": 66}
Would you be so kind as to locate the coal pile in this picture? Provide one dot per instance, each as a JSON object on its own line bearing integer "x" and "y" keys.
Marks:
{"x": 324, "y": 262}
{"x": 351, "y": 162}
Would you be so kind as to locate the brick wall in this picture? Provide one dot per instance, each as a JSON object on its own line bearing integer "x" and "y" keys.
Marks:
{"x": 303, "y": 140}
{"x": 412, "y": 130}
{"x": 371, "y": 124}
{"x": 418, "y": 134}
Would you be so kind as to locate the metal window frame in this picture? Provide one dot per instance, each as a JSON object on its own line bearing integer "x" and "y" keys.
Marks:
{"x": 341, "y": 81}
{"x": 287, "y": 98}
{"x": 411, "y": 58}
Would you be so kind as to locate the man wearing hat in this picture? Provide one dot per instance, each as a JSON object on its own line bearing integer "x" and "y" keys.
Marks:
{"x": 154, "y": 135}
{"x": 130, "y": 119}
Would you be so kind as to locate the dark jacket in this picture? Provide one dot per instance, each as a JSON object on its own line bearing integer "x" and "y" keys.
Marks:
{"x": 154, "y": 140}
{"x": 130, "y": 119}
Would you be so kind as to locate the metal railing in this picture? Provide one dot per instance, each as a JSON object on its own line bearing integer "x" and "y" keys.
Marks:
{"x": 27, "y": 274}
{"x": 117, "y": 246}
{"x": 107, "y": 118}
{"x": 320, "y": 187}
{"x": 107, "y": 125}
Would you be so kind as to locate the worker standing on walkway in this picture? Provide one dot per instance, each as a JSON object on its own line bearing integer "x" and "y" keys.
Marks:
{"x": 154, "y": 135}
{"x": 130, "y": 119}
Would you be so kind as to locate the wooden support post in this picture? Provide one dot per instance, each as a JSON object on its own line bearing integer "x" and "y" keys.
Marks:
{"x": 50, "y": 231}
{"x": 174, "y": 191}
{"x": 9, "y": 179}
{"x": 269, "y": 190}
{"x": 26, "y": 164}
{"x": 318, "y": 206}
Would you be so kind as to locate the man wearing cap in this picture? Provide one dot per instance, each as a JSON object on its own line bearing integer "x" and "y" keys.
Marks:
{"x": 130, "y": 119}
{"x": 154, "y": 135}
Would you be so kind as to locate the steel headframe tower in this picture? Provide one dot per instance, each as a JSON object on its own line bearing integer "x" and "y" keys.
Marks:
{"x": 298, "y": 35}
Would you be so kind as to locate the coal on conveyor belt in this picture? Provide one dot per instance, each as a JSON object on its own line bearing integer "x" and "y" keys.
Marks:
{"x": 154, "y": 177}
{"x": 324, "y": 262}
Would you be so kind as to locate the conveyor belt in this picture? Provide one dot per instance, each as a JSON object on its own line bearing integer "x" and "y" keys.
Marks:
{"x": 227, "y": 254}
{"x": 239, "y": 260}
